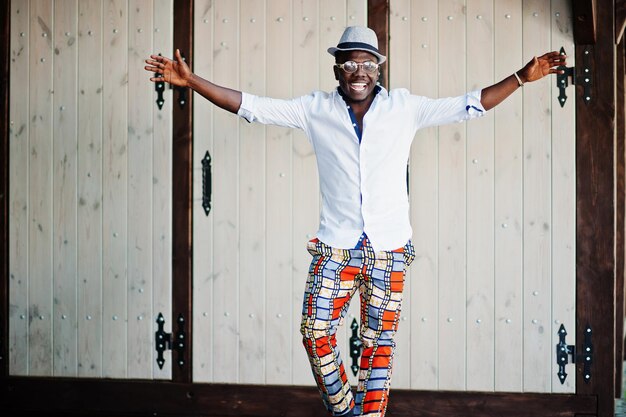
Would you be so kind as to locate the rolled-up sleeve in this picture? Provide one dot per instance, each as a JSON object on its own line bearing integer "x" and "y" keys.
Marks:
{"x": 441, "y": 111}
{"x": 265, "y": 110}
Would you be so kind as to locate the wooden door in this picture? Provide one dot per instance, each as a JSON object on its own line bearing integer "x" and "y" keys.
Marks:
{"x": 250, "y": 260}
{"x": 90, "y": 179}
{"x": 594, "y": 269}
{"x": 493, "y": 199}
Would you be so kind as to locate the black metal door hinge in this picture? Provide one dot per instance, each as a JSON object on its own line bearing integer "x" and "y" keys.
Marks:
{"x": 163, "y": 341}
{"x": 583, "y": 77}
{"x": 355, "y": 347}
{"x": 159, "y": 87}
{"x": 206, "y": 183}
{"x": 565, "y": 351}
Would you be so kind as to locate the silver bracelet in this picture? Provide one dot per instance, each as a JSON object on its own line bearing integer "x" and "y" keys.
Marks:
{"x": 519, "y": 80}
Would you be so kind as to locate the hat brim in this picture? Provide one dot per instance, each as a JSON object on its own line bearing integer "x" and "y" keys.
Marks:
{"x": 381, "y": 58}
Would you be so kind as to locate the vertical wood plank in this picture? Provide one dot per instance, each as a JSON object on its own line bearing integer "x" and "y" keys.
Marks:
{"x": 400, "y": 49}
{"x": 203, "y": 268}
{"x": 64, "y": 201}
{"x": 40, "y": 189}
{"x": 17, "y": 332}
{"x": 89, "y": 173}
{"x": 5, "y": 128}
{"x": 333, "y": 19}
{"x": 563, "y": 172}
{"x": 226, "y": 201}
{"x": 305, "y": 177}
{"x": 620, "y": 211}
{"x": 595, "y": 211}
{"x": 424, "y": 196}
{"x": 161, "y": 183}
{"x": 452, "y": 204}
{"x": 537, "y": 341}
{"x": 508, "y": 201}
{"x": 281, "y": 324}
{"x": 356, "y": 13}
{"x": 376, "y": 8}
{"x": 140, "y": 151}
{"x": 182, "y": 234}
{"x": 114, "y": 189}
{"x": 332, "y": 22}
{"x": 252, "y": 228}
{"x": 480, "y": 204}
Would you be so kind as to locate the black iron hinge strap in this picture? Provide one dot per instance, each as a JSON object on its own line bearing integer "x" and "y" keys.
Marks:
{"x": 163, "y": 341}
{"x": 565, "y": 351}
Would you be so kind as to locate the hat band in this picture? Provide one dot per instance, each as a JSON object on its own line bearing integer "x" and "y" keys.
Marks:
{"x": 357, "y": 45}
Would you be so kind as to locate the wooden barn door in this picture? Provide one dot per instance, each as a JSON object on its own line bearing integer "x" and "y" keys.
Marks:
{"x": 90, "y": 189}
{"x": 250, "y": 258}
{"x": 493, "y": 200}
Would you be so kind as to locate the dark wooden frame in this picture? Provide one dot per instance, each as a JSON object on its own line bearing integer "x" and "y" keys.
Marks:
{"x": 620, "y": 215}
{"x": 596, "y": 284}
{"x": 595, "y": 206}
{"x": 378, "y": 20}
{"x": 620, "y": 19}
{"x": 182, "y": 195}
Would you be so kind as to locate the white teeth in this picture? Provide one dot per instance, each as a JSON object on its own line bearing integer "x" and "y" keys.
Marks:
{"x": 358, "y": 86}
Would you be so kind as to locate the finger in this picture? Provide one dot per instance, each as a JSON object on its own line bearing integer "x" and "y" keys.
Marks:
{"x": 153, "y": 69}
{"x": 179, "y": 58}
{"x": 160, "y": 58}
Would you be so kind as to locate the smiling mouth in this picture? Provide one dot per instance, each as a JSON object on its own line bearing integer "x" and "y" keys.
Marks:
{"x": 358, "y": 86}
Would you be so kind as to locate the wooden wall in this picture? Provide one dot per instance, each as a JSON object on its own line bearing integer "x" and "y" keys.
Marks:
{"x": 90, "y": 182}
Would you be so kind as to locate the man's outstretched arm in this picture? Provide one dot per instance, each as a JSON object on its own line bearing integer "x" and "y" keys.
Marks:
{"x": 178, "y": 73}
{"x": 537, "y": 68}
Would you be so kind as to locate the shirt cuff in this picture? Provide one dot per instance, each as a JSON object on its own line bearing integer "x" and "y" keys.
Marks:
{"x": 473, "y": 106}
{"x": 246, "y": 109}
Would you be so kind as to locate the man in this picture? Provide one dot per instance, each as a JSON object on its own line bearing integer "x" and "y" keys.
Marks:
{"x": 362, "y": 135}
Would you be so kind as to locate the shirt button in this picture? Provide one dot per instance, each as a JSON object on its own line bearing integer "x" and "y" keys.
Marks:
{"x": 354, "y": 124}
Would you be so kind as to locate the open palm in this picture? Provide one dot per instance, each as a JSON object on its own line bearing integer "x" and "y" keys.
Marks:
{"x": 539, "y": 67}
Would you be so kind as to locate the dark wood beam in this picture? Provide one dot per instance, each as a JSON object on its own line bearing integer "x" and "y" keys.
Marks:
{"x": 5, "y": 45}
{"x": 620, "y": 213}
{"x": 182, "y": 168}
{"x": 620, "y": 19}
{"x": 93, "y": 397}
{"x": 595, "y": 210}
{"x": 585, "y": 17}
{"x": 378, "y": 21}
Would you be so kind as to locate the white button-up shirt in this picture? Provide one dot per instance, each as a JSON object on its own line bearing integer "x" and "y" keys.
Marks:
{"x": 362, "y": 185}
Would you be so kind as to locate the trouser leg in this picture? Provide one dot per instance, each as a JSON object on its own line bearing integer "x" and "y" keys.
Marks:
{"x": 329, "y": 287}
{"x": 381, "y": 296}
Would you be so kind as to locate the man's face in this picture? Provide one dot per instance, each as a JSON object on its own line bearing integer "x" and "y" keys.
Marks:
{"x": 359, "y": 85}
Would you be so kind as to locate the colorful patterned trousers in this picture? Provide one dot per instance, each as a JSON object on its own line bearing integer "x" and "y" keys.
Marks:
{"x": 334, "y": 276}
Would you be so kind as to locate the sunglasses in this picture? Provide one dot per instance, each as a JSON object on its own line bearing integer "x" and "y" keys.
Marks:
{"x": 351, "y": 66}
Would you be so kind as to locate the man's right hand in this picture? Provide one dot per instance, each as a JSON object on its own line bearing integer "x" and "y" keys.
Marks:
{"x": 175, "y": 72}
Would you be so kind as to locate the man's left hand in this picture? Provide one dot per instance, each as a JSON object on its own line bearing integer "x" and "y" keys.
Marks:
{"x": 541, "y": 66}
